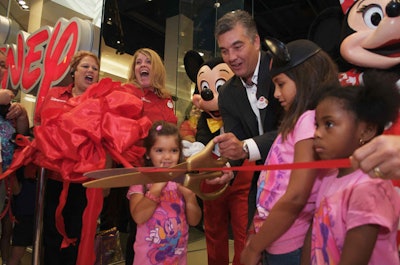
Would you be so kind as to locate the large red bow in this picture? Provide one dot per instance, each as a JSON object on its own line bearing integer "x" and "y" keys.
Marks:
{"x": 75, "y": 139}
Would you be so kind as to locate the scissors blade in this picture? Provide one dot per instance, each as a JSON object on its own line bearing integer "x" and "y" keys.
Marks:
{"x": 108, "y": 172}
{"x": 124, "y": 177}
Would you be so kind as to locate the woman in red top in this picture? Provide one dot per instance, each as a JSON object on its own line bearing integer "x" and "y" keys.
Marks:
{"x": 85, "y": 72}
{"x": 146, "y": 80}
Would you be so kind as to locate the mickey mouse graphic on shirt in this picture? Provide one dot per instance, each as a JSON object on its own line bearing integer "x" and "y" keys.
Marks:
{"x": 166, "y": 235}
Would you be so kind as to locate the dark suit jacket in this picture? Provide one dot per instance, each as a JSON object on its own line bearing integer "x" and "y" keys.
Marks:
{"x": 238, "y": 116}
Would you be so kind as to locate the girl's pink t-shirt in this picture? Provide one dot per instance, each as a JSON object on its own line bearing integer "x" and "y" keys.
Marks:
{"x": 351, "y": 201}
{"x": 272, "y": 186}
{"x": 163, "y": 239}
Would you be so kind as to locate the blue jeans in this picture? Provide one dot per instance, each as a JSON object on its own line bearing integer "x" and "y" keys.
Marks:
{"x": 291, "y": 258}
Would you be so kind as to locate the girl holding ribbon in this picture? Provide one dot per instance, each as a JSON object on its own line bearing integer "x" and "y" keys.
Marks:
{"x": 285, "y": 198}
{"x": 163, "y": 211}
{"x": 356, "y": 216}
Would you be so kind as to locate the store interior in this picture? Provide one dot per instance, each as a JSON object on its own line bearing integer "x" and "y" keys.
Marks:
{"x": 171, "y": 28}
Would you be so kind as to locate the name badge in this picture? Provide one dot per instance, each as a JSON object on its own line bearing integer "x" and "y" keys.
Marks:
{"x": 170, "y": 104}
{"x": 262, "y": 103}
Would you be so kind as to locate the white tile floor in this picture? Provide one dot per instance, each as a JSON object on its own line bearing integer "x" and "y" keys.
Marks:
{"x": 197, "y": 251}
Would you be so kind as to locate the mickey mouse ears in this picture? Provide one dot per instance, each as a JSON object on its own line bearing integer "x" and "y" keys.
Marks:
{"x": 285, "y": 57}
{"x": 192, "y": 62}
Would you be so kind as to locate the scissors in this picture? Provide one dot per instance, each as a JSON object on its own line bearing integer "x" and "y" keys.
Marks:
{"x": 186, "y": 173}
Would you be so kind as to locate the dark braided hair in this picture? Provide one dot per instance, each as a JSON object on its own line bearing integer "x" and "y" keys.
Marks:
{"x": 376, "y": 102}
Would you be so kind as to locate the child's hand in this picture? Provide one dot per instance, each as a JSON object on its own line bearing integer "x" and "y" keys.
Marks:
{"x": 249, "y": 256}
{"x": 6, "y": 96}
{"x": 157, "y": 187}
{"x": 185, "y": 191}
{"x": 193, "y": 210}
{"x": 15, "y": 111}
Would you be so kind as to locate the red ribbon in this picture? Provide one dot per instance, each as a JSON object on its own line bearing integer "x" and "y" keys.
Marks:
{"x": 336, "y": 163}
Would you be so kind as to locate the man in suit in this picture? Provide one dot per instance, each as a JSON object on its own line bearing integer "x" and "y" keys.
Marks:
{"x": 249, "y": 110}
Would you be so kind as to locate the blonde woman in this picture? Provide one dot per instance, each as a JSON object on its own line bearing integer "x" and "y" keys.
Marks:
{"x": 146, "y": 80}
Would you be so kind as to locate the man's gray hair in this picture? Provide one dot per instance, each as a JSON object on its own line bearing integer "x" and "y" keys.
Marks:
{"x": 228, "y": 21}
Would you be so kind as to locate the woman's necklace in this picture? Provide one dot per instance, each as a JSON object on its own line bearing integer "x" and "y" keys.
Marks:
{"x": 75, "y": 92}
{"x": 143, "y": 98}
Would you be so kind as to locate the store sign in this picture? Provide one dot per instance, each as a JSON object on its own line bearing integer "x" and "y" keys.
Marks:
{"x": 41, "y": 60}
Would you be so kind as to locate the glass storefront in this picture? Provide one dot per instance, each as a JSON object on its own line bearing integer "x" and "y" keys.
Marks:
{"x": 193, "y": 30}
{"x": 188, "y": 25}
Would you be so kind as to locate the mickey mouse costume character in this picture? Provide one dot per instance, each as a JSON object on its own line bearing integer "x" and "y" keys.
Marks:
{"x": 230, "y": 209}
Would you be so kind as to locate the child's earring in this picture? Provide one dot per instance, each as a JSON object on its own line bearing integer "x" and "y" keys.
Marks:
{"x": 361, "y": 142}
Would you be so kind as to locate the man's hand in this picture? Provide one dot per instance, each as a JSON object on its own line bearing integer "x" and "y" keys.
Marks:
{"x": 230, "y": 146}
{"x": 224, "y": 179}
{"x": 380, "y": 157}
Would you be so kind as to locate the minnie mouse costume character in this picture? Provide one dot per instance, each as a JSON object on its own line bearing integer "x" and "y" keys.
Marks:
{"x": 371, "y": 40}
{"x": 230, "y": 209}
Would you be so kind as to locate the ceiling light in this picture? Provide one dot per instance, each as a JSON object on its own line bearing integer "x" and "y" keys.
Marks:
{"x": 23, "y": 5}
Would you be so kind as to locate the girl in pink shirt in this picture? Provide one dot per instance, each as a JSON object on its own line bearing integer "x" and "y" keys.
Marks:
{"x": 163, "y": 211}
{"x": 356, "y": 218}
{"x": 286, "y": 198}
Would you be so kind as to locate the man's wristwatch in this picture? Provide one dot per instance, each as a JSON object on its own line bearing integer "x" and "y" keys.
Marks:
{"x": 245, "y": 149}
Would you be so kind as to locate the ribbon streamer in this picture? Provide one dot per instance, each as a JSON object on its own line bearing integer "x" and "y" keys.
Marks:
{"x": 336, "y": 163}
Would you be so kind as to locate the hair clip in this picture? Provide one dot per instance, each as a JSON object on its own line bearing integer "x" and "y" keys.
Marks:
{"x": 159, "y": 128}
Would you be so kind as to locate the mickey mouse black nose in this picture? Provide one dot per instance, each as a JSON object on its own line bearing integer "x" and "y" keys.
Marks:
{"x": 393, "y": 8}
{"x": 207, "y": 94}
